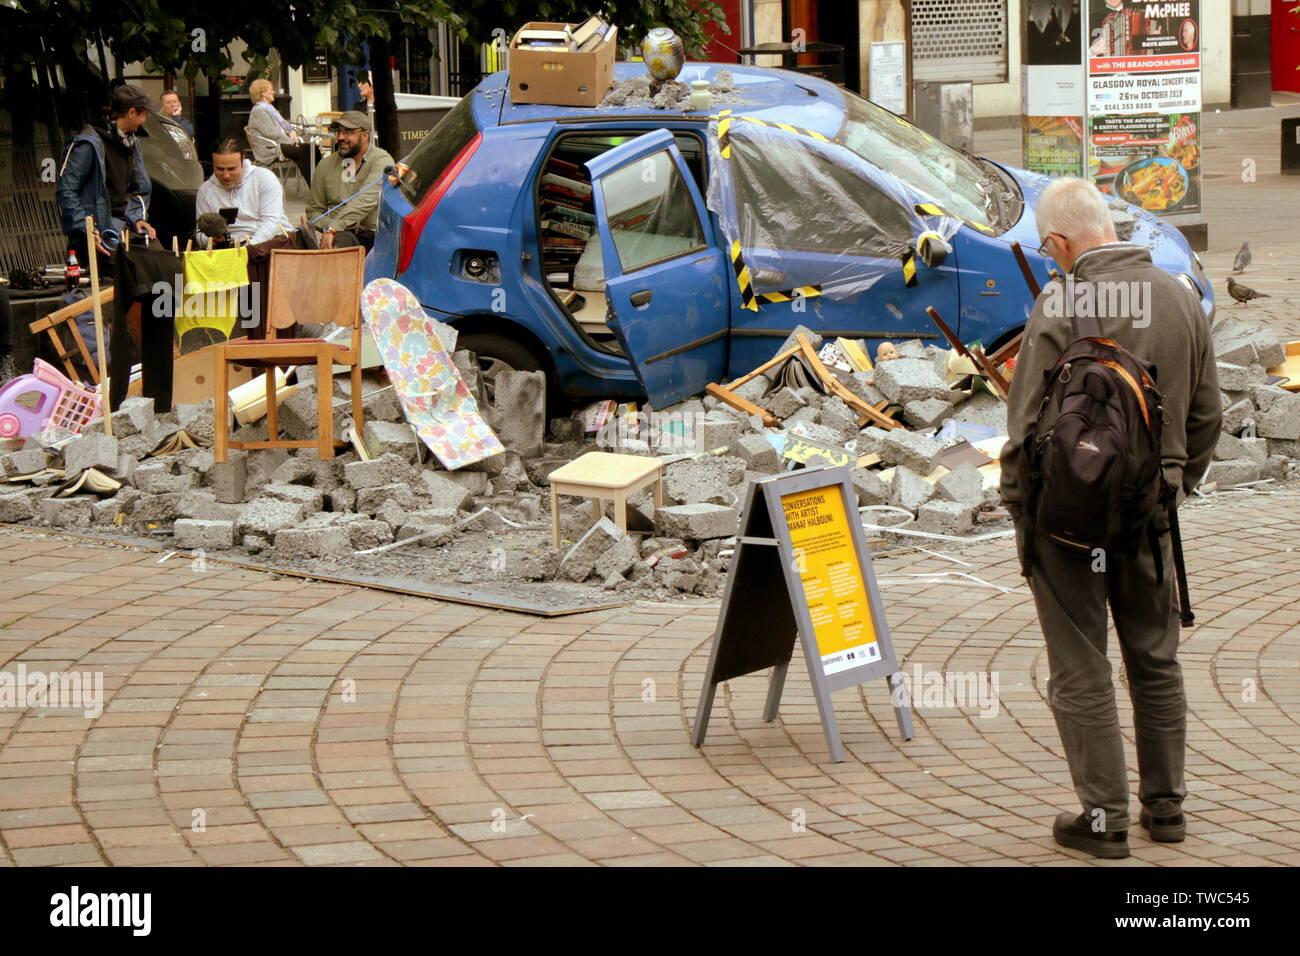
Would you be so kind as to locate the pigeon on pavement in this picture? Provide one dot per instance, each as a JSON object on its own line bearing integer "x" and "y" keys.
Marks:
{"x": 1243, "y": 258}
{"x": 1244, "y": 293}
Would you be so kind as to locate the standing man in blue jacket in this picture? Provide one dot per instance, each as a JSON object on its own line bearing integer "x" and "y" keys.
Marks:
{"x": 103, "y": 175}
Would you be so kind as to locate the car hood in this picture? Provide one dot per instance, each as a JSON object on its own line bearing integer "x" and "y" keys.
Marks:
{"x": 1169, "y": 249}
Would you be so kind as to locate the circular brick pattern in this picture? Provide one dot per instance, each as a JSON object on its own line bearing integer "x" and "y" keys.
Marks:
{"x": 251, "y": 719}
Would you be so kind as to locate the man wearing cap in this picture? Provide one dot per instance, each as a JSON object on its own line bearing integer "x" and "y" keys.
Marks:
{"x": 103, "y": 175}
{"x": 356, "y": 164}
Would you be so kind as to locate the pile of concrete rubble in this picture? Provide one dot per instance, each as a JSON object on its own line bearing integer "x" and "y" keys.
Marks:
{"x": 491, "y": 521}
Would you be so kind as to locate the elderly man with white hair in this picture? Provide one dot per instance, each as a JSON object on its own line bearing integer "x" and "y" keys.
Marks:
{"x": 1164, "y": 325}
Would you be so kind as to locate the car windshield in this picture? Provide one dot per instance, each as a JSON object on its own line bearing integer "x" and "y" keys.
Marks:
{"x": 953, "y": 179}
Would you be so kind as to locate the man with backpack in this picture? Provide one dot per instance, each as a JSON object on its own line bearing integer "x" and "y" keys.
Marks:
{"x": 1112, "y": 419}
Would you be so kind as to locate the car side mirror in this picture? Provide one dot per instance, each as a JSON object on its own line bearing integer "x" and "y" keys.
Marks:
{"x": 933, "y": 250}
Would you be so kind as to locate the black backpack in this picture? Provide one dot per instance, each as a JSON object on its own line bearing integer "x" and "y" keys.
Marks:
{"x": 1091, "y": 462}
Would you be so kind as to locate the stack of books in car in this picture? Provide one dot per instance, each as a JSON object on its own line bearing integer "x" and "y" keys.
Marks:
{"x": 567, "y": 219}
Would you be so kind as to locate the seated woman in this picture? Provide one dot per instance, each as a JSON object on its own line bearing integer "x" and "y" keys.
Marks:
{"x": 273, "y": 136}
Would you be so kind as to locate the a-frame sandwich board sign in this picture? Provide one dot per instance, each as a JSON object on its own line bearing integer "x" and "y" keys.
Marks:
{"x": 802, "y": 569}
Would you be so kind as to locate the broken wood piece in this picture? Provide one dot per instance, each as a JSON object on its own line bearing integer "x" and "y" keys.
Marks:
{"x": 865, "y": 412}
{"x": 1007, "y": 352}
{"x": 741, "y": 404}
{"x": 1028, "y": 273}
{"x": 948, "y": 333}
{"x": 770, "y": 363}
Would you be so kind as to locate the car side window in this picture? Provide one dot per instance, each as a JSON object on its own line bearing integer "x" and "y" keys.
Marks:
{"x": 649, "y": 212}
{"x": 794, "y": 198}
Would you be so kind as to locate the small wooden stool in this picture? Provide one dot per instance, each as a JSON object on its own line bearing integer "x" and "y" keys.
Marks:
{"x": 603, "y": 476}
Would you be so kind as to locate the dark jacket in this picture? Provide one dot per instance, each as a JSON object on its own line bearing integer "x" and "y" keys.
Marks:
{"x": 1177, "y": 340}
{"x": 83, "y": 186}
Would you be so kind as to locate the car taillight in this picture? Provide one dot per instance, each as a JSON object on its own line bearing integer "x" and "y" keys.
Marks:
{"x": 413, "y": 224}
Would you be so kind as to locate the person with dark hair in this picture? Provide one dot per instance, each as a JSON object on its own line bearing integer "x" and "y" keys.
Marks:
{"x": 253, "y": 192}
{"x": 171, "y": 108}
{"x": 349, "y": 179}
{"x": 367, "y": 90}
{"x": 103, "y": 175}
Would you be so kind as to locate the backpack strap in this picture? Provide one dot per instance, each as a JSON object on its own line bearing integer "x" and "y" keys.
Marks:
{"x": 1084, "y": 326}
{"x": 1176, "y": 541}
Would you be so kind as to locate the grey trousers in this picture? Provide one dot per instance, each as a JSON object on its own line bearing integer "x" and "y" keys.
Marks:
{"x": 1072, "y": 597}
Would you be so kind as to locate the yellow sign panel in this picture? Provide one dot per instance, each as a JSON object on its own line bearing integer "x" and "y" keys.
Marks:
{"x": 833, "y": 584}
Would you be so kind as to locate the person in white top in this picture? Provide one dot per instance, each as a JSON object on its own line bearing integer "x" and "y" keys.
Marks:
{"x": 253, "y": 190}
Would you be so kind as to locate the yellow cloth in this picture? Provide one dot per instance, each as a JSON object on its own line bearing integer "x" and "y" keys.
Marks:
{"x": 213, "y": 279}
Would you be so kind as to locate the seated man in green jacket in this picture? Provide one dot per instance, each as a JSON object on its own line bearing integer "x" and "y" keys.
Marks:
{"x": 355, "y": 164}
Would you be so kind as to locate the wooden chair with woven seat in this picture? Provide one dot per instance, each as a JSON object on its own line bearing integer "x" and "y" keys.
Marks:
{"x": 315, "y": 286}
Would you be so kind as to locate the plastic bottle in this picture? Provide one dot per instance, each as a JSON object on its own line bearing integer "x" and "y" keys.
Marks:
{"x": 72, "y": 274}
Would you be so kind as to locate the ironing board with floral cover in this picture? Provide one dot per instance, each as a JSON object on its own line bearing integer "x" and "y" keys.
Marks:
{"x": 434, "y": 397}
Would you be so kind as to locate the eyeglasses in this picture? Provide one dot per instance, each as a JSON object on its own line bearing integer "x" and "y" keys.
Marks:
{"x": 1042, "y": 248}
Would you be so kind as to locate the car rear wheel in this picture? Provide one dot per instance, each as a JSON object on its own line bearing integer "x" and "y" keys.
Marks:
{"x": 497, "y": 354}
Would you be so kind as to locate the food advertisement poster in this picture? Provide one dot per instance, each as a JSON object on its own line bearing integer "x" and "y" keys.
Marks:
{"x": 1143, "y": 101}
{"x": 833, "y": 582}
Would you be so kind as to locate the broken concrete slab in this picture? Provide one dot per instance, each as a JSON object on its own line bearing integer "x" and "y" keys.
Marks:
{"x": 195, "y": 533}
{"x": 964, "y": 485}
{"x": 618, "y": 559}
{"x": 714, "y": 479}
{"x": 579, "y": 561}
{"x": 203, "y": 506}
{"x": 311, "y": 499}
{"x": 25, "y": 462}
{"x": 871, "y": 488}
{"x": 381, "y": 405}
{"x": 19, "y": 506}
{"x": 405, "y": 497}
{"x": 73, "y": 513}
{"x": 901, "y": 447}
{"x": 757, "y": 453}
{"x": 910, "y": 380}
{"x": 520, "y": 403}
{"x": 313, "y": 542}
{"x": 90, "y": 450}
{"x": 1279, "y": 413}
{"x": 389, "y": 469}
{"x": 1235, "y": 471}
{"x": 697, "y": 521}
{"x": 930, "y": 413}
{"x": 158, "y": 476}
{"x": 945, "y": 517}
{"x": 157, "y": 509}
{"x": 792, "y": 341}
{"x": 444, "y": 492}
{"x": 267, "y": 516}
{"x": 784, "y": 403}
{"x": 1233, "y": 378}
{"x": 755, "y": 389}
{"x": 908, "y": 489}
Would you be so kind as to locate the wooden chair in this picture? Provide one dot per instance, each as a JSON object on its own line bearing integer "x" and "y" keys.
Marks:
{"x": 67, "y": 316}
{"x": 320, "y": 286}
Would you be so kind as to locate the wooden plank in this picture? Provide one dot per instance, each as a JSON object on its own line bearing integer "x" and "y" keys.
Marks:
{"x": 1007, "y": 352}
{"x": 744, "y": 405}
{"x": 68, "y": 311}
{"x": 788, "y": 353}
{"x": 1028, "y": 273}
{"x": 948, "y": 333}
{"x": 975, "y": 354}
{"x": 866, "y": 413}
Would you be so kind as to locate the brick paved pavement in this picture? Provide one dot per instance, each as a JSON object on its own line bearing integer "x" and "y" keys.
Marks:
{"x": 306, "y": 723}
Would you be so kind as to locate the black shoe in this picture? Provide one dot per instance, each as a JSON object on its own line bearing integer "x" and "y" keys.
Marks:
{"x": 1077, "y": 834}
{"x": 1172, "y": 829}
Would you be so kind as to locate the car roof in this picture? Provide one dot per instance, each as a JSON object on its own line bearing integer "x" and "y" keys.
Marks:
{"x": 779, "y": 96}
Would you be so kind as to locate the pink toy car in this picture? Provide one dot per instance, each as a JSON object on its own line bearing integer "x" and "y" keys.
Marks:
{"x": 47, "y": 397}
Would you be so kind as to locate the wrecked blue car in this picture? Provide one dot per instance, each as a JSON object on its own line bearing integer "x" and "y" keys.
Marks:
{"x": 629, "y": 251}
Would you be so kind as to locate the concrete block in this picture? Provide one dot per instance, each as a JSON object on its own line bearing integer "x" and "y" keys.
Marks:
{"x": 23, "y": 462}
{"x": 229, "y": 478}
{"x": 195, "y": 533}
{"x": 267, "y": 516}
{"x": 106, "y": 512}
{"x": 717, "y": 430}
{"x": 71, "y": 513}
{"x": 1228, "y": 447}
{"x": 381, "y": 405}
{"x": 160, "y": 475}
{"x": 466, "y": 363}
{"x": 366, "y": 533}
{"x": 199, "y": 420}
{"x": 520, "y": 403}
{"x": 1279, "y": 446}
{"x": 567, "y": 429}
{"x": 90, "y": 450}
{"x": 697, "y": 521}
{"x": 17, "y": 507}
{"x": 870, "y": 438}
{"x": 963, "y": 485}
{"x": 757, "y": 453}
{"x": 203, "y": 506}
{"x": 390, "y": 469}
{"x": 808, "y": 415}
{"x": 784, "y": 403}
{"x": 908, "y": 489}
{"x": 930, "y": 413}
{"x": 444, "y": 492}
{"x": 792, "y": 341}
{"x": 870, "y": 487}
{"x": 1276, "y": 467}
{"x": 1235, "y": 471}
{"x": 1237, "y": 353}
{"x": 313, "y": 542}
{"x": 836, "y": 416}
{"x": 618, "y": 559}
{"x": 755, "y": 389}
{"x": 1233, "y": 378}
{"x": 862, "y": 384}
{"x": 1256, "y": 449}
{"x": 713, "y": 479}
{"x": 910, "y": 380}
{"x": 579, "y": 561}
{"x": 369, "y": 500}
{"x": 392, "y": 438}
{"x": 311, "y": 499}
{"x": 474, "y": 482}
{"x": 1236, "y": 415}
{"x": 912, "y": 349}
{"x": 945, "y": 517}
{"x": 901, "y": 447}
{"x": 984, "y": 409}
{"x": 1281, "y": 417}
{"x": 157, "y": 509}
{"x": 680, "y": 574}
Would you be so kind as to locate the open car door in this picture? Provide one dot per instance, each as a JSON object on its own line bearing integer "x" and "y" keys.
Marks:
{"x": 665, "y": 281}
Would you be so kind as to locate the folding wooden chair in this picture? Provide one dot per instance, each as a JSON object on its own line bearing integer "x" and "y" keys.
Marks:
{"x": 317, "y": 286}
{"x": 66, "y": 316}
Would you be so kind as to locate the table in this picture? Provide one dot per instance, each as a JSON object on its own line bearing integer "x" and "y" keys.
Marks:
{"x": 604, "y": 476}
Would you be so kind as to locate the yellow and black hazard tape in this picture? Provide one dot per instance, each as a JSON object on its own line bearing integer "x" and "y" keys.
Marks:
{"x": 934, "y": 209}
{"x": 909, "y": 269}
{"x": 749, "y": 299}
{"x": 726, "y": 118}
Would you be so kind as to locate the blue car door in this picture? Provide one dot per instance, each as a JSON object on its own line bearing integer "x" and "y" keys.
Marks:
{"x": 666, "y": 282}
